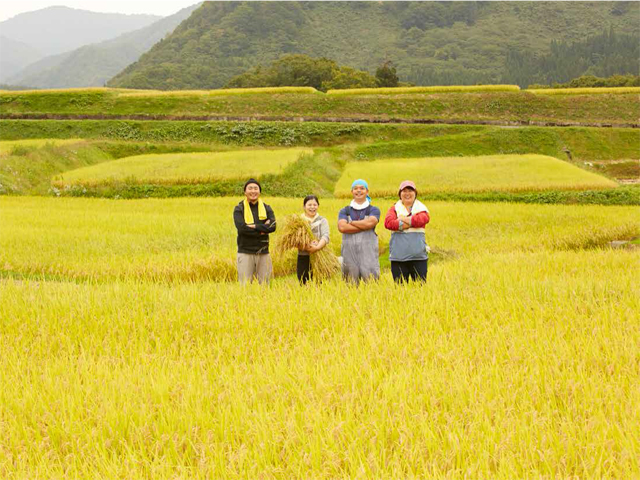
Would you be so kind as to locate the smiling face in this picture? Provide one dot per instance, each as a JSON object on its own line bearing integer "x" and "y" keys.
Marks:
{"x": 359, "y": 193}
{"x": 311, "y": 208}
{"x": 408, "y": 195}
{"x": 252, "y": 192}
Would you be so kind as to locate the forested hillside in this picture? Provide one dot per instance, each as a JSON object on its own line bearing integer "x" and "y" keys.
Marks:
{"x": 428, "y": 42}
{"x": 603, "y": 55}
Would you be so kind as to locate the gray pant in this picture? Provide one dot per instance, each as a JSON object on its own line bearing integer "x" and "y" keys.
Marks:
{"x": 254, "y": 266}
{"x": 360, "y": 256}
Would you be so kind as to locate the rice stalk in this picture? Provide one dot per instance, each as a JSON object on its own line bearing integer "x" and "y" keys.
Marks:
{"x": 324, "y": 265}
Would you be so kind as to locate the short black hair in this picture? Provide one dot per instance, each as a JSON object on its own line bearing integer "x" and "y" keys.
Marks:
{"x": 310, "y": 197}
{"x": 249, "y": 182}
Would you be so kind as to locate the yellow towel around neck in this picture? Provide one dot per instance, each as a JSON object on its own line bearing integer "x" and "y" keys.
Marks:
{"x": 248, "y": 214}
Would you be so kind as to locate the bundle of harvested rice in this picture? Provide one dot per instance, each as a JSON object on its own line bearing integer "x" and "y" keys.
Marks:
{"x": 296, "y": 234}
{"x": 324, "y": 265}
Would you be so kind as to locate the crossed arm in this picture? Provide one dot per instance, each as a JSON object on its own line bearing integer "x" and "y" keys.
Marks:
{"x": 253, "y": 229}
{"x": 357, "y": 225}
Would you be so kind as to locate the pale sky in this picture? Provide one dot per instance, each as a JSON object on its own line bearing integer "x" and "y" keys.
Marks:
{"x": 10, "y": 8}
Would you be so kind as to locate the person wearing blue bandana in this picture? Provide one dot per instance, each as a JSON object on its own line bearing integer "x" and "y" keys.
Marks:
{"x": 357, "y": 223}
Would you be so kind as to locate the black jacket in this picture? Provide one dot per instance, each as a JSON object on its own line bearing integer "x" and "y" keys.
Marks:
{"x": 253, "y": 240}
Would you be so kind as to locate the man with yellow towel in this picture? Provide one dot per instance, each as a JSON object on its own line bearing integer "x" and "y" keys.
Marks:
{"x": 254, "y": 220}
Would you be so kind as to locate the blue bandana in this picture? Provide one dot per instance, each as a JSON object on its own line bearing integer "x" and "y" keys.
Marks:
{"x": 361, "y": 183}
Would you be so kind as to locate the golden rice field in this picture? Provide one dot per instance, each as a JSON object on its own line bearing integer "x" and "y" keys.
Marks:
{"x": 180, "y": 168}
{"x": 585, "y": 90}
{"x": 218, "y": 92}
{"x": 195, "y": 239}
{"x": 509, "y": 173}
{"x": 518, "y": 359}
{"x": 127, "y": 92}
{"x": 433, "y": 89}
{"x": 7, "y": 146}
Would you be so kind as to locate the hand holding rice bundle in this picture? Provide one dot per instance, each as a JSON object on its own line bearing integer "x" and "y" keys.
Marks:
{"x": 296, "y": 234}
{"x": 309, "y": 234}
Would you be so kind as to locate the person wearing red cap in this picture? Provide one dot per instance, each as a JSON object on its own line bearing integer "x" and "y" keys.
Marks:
{"x": 408, "y": 251}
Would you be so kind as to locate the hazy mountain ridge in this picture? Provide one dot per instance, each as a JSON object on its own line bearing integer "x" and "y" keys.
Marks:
{"x": 93, "y": 65}
{"x": 13, "y": 55}
{"x": 441, "y": 42}
{"x": 54, "y": 30}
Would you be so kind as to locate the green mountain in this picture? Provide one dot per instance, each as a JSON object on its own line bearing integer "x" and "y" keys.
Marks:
{"x": 429, "y": 42}
{"x": 92, "y": 65}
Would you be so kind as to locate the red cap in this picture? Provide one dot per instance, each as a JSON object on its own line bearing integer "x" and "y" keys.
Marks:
{"x": 407, "y": 184}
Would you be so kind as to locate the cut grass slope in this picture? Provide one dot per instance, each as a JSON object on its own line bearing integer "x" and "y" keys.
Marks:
{"x": 27, "y": 166}
{"x": 581, "y": 143}
{"x": 18, "y": 146}
{"x": 184, "y": 168}
{"x": 507, "y": 173}
{"x": 439, "y": 140}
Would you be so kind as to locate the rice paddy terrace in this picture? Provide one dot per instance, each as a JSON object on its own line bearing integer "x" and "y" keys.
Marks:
{"x": 130, "y": 351}
{"x": 491, "y": 104}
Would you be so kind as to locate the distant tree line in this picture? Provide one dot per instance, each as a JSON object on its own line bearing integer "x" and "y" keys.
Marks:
{"x": 4, "y": 86}
{"x": 601, "y": 55}
{"x": 321, "y": 73}
{"x": 592, "y": 81}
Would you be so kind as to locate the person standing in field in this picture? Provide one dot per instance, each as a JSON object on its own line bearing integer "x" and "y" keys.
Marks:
{"x": 254, "y": 220}
{"x": 357, "y": 222}
{"x": 320, "y": 229}
{"x": 407, "y": 247}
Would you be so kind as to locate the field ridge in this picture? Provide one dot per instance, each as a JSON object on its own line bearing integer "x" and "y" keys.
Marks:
{"x": 297, "y": 119}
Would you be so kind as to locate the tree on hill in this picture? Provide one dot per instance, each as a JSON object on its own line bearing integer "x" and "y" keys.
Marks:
{"x": 386, "y": 75}
{"x": 303, "y": 71}
{"x": 347, "y": 77}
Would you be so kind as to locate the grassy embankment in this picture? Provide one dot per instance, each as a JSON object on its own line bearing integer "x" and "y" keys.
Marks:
{"x": 28, "y": 166}
{"x": 127, "y": 376}
{"x": 488, "y": 106}
{"x": 320, "y": 172}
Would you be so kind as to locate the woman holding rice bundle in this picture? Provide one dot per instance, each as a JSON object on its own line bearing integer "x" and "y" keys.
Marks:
{"x": 320, "y": 229}
{"x": 407, "y": 247}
